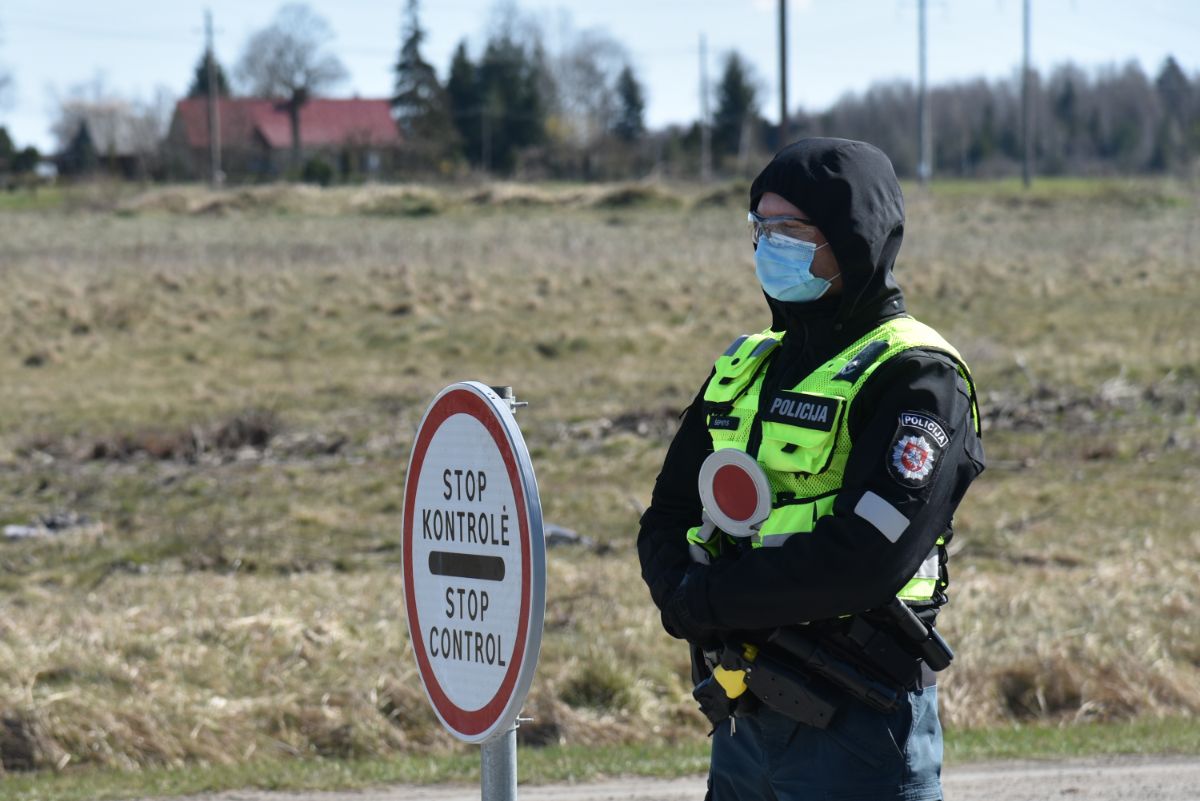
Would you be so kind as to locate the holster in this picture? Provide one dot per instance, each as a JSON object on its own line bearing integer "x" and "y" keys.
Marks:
{"x": 790, "y": 692}
{"x": 874, "y": 651}
{"x": 892, "y": 644}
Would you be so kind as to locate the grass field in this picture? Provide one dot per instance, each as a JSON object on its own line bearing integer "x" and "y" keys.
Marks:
{"x": 218, "y": 392}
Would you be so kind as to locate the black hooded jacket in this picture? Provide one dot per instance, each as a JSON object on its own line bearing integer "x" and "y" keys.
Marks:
{"x": 846, "y": 565}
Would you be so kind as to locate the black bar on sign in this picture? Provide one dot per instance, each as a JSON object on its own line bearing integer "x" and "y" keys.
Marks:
{"x": 466, "y": 565}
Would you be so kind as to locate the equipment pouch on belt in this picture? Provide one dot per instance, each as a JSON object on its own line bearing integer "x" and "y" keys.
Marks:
{"x": 769, "y": 680}
{"x": 842, "y": 675}
{"x": 891, "y": 643}
{"x": 789, "y": 692}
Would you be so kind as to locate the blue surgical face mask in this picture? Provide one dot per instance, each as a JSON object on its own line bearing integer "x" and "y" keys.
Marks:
{"x": 784, "y": 268}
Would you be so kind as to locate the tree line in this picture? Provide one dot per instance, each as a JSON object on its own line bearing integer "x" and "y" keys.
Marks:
{"x": 580, "y": 114}
{"x": 517, "y": 106}
{"x": 1117, "y": 120}
{"x": 577, "y": 110}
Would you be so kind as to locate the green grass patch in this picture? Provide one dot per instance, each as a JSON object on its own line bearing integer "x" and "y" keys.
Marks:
{"x": 43, "y": 199}
{"x": 1144, "y": 193}
{"x": 1044, "y": 741}
{"x": 573, "y": 763}
{"x": 535, "y": 766}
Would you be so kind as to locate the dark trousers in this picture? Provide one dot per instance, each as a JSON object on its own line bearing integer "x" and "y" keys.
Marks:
{"x": 863, "y": 755}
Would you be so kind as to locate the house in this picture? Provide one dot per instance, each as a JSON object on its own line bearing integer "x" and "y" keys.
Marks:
{"x": 109, "y": 137}
{"x": 354, "y": 136}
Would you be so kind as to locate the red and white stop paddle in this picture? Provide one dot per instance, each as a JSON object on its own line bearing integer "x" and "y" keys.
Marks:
{"x": 736, "y": 497}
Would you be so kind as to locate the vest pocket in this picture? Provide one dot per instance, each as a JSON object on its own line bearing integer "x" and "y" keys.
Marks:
{"x": 797, "y": 448}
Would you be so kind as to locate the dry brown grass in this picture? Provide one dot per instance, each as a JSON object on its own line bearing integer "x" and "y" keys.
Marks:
{"x": 395, "y": 201}
{"x": 228, "y": 385}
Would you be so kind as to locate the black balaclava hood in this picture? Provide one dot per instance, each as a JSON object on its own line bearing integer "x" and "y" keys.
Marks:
{"x": 849, "y": 190}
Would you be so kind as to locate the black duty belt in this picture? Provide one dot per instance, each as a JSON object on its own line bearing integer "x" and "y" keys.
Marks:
{"x": 806, "y": 672}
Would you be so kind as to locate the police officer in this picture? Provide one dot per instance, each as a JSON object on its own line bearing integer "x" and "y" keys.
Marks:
{"x": 866, "y": 425}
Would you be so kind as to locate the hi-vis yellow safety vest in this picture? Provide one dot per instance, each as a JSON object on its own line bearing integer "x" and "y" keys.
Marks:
{"x": 805, "y": 464}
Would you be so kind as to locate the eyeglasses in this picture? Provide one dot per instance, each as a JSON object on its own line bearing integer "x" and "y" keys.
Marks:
{"x": 787, "y": 227}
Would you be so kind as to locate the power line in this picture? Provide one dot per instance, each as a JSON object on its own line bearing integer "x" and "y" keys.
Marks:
{"x": 1027, "y": 106}
{"x": 924, "y": 132}
{"x": 705, "y": 127}
{"x": 91, "y": 32}
{"x": 214, "y": 108}
{"x": 783, "y": 104}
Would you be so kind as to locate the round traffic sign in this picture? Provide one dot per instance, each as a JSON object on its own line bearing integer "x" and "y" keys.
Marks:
{"x": 735, "y": 491}
{"x": 474, "y": 561}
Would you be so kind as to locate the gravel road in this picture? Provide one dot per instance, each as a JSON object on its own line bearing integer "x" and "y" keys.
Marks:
{"x": 1109, "y": 779}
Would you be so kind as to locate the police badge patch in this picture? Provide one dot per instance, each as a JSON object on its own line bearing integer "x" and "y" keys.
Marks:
{"x": 916, "y": 450}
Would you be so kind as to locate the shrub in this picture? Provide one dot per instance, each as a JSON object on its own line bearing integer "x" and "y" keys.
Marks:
{"x": 317, "y": 171}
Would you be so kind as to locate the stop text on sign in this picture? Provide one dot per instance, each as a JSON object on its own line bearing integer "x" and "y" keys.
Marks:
{"x": 473, "y": 526}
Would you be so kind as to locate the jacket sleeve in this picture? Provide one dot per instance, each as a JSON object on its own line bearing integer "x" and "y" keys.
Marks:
{"x": 675, "y": 506}
{"x": 885, "y": 519}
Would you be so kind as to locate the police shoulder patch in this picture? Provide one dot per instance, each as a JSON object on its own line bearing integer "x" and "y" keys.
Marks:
{"x": 917, "y": 448}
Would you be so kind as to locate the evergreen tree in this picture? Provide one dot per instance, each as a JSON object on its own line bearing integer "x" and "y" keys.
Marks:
{"x": 1174, "y": 89}
{"x": 737, "y": 104}
{"x": 509, "y": 78}
{"x": 6, "y": 147}
{"x": 1171, "y": 138}
{"x": 419, "y": 102}
{"x": 462, "y": 93}
{"x": 499, "y": 105}
{"x": 630, "y": 124}
{"x": 24, "y": 161}
{"x": 199, "y": 87}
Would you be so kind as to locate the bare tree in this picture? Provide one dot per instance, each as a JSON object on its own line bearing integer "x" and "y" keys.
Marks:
{"x": 94, "y": 126}
{"x": 586, "y": 73}
{"x": 6, "y": 81}
{"x": 288, "y": 60}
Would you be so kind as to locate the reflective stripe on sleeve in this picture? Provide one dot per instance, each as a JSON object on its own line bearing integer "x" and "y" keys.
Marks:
{"x": 930, "y": 568}
{"x": 882, "y": 515}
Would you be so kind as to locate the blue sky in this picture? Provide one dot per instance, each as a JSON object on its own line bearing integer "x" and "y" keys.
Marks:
{"x": 138, "y": 46}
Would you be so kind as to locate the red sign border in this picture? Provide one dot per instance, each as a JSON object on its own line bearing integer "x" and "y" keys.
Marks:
{"x": 469, "y": 723}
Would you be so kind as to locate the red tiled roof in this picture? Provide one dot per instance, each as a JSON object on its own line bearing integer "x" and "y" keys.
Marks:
{"x": 323, "y": 122}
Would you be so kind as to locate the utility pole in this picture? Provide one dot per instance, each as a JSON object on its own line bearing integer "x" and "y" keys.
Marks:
{"x": 214, "y": 111}
{"x": 783, "y": 104}
{"x": 924, "y": 135}
{"x": 705, "y": 128}
{"x": 1027, "y": 109}
{"x": 485, "y": 137}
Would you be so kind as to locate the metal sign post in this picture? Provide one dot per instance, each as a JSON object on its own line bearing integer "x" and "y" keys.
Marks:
{"x": 475, "y": 571}
{"x": 498, "y": 767}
